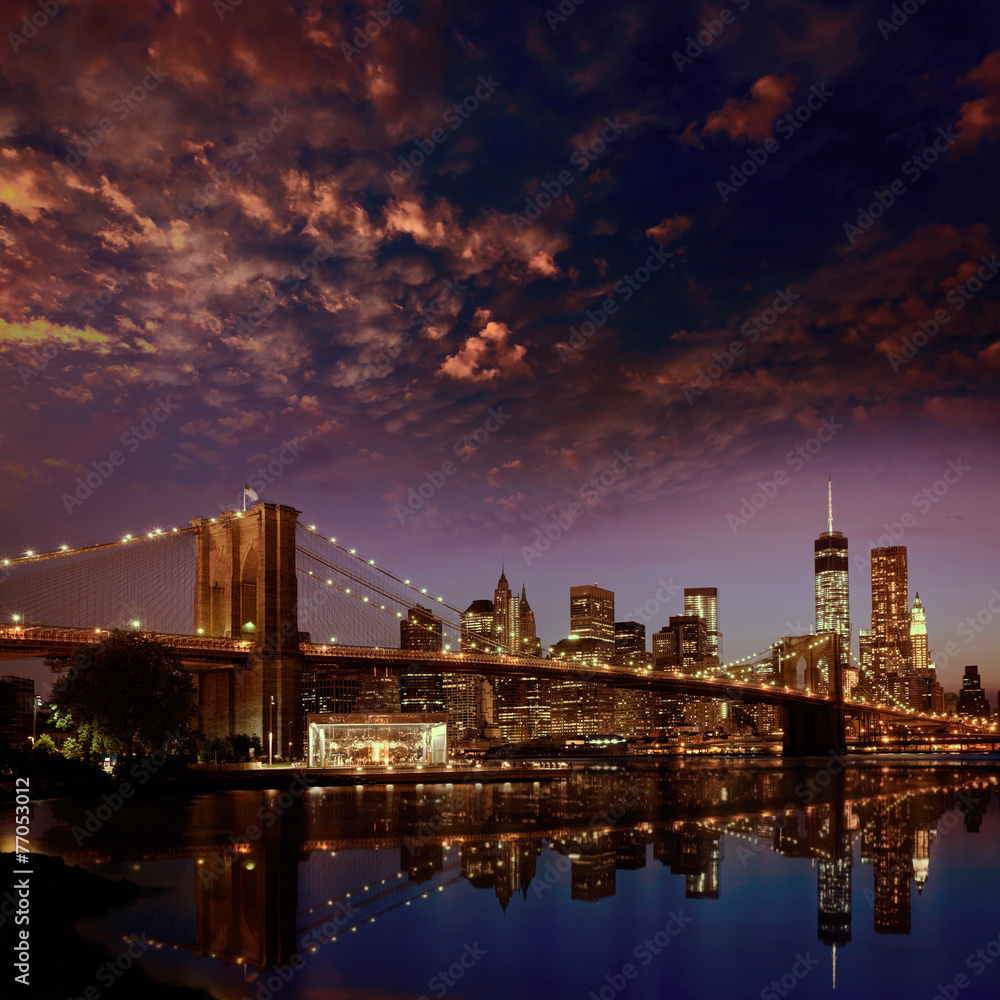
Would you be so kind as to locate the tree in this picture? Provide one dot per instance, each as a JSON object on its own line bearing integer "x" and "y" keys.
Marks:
{"x": 131, "y": 694}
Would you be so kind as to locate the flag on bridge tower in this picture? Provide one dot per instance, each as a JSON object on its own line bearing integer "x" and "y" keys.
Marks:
{"x": 247, "y": 492}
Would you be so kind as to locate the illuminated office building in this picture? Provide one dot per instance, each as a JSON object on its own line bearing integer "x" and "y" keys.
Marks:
{"x": 630, "y": 640}
{"x": 919, "y": 653}
{"x": 514, "y": 630}
{"x": 693, "y": 636}
{"x": 667, "y": 648}
{"x": 477, "y": 627}
{"x": 972, "y": 698}
{"x": 529, "y": 643}
{"x": 421, "y": 689}
{"x": 506, "y": 617}
{"x": 592, "y": 618}
{"x": 833, "y": 611}
{"x": 703, "y": 602}
{"x": 865, "y": 657}
{"x": 890, "y": 640}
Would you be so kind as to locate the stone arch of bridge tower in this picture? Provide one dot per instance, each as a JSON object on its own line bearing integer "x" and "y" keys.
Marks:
{"x": 248, "y": 586}
{"x": 815, "y": 651}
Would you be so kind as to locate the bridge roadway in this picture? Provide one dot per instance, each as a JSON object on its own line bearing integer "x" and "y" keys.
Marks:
{"x": 207, "y": 652}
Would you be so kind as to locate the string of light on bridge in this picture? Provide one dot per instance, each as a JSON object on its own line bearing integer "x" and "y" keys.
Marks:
{"x": 371, "y": 562}
{"x": 362, "y": 599}
{"x": 31, "y": 556}
{"x": 899, "y": 706}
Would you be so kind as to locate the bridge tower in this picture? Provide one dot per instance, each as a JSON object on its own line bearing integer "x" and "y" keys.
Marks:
{"x": 245, "y": 588}
{"x": 813, "y": 731}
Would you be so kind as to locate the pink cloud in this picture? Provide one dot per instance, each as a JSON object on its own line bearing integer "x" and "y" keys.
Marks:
{"x": 751, "y": 119}
{"x": 669, "y": 229}
{"x": 486, "y": 356}
{"x": 981, "y": 118}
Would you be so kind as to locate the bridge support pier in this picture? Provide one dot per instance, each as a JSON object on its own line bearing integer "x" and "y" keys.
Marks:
{"x": 817, "y": 730}
{"x": 813, "y": 731}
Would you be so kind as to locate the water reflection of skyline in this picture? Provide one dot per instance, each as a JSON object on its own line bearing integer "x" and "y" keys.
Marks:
{"x": 341, "y": 858}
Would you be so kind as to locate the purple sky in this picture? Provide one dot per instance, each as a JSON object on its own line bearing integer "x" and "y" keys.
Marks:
{"x": 209, "y": 329}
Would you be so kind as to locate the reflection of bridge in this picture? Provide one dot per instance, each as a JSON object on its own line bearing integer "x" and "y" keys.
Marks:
{"x": 263, "y": 585}
{"x": 322, "y": 871}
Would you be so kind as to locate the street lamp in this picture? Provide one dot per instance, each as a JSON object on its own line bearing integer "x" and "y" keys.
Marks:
{"x": 34, "y": 716}
{"x": 270, "y": 735}
{"x": 290, "y": 721}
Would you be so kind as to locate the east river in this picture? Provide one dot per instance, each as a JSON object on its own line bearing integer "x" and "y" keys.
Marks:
{"x": 715, "y": 879}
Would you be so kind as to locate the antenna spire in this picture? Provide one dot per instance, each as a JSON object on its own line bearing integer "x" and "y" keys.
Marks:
{"x": 829, "y": 505}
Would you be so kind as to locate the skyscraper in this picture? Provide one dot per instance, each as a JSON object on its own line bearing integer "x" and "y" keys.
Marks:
{"x": 972, "y": 698}
{"x": 704, "y": 602}
{"x": 477, "y": 627}
{"x": 421, "y": 629}
{"x": 506, "y": 617}
{"x": 693, "y": 636}
{"x": 833, "y": 610}
{"x": 865, "y": 649}
{"x": 592, "y": 618}
{"x": 667, "y": 647}
{"x": 890, "y": 642}
{"x": 421, "y": 690}
{"x": 530, "y": 644}
{"x": 919, "y": 653}
{"x": 630, "y": 640}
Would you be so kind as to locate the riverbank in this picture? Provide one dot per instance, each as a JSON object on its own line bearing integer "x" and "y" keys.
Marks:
{"x": 208, "y": 779}
{"x": 60, "y": 963}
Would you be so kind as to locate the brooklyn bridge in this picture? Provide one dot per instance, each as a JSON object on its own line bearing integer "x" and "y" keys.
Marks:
{"x": 250, "y": 599}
